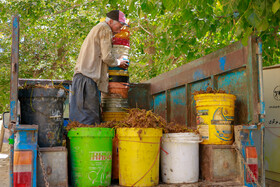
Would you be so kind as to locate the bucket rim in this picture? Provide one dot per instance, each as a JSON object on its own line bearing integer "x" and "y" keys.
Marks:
{"x": 151, "y": 132}
{"x": 91, "y": 132}
{"x": 215, "y": 94}
{"x": 138, "y": 128}
{"x": 182, "y": 137}
{"x": 93, "y": 127}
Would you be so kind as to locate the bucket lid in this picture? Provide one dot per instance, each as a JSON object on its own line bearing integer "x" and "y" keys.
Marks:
{"x": 94, "y": 131}
{"x": 188, "y": 137}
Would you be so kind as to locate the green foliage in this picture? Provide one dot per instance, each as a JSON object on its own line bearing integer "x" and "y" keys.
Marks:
{"x": 165, "y": 33}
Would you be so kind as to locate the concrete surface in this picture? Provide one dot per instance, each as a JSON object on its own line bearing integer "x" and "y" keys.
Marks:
{"x": 4, "y": 166}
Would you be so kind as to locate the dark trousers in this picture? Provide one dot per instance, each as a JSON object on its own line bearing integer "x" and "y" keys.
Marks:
{"x": 84, "y": 101}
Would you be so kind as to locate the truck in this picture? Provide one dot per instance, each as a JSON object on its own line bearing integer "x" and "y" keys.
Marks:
{"x": 236, "y": 69}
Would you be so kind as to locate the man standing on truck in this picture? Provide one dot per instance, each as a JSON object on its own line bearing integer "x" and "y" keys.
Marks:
{"x": 91, "y": 70}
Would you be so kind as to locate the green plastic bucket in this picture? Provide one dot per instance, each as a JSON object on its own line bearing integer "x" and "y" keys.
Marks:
{"x": 91, "y": 156}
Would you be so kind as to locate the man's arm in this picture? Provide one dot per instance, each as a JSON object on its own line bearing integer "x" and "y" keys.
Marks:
{"x": 106, "y": 51}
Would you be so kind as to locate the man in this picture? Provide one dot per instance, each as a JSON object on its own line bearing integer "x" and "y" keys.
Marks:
{"x": 91, "y": 70}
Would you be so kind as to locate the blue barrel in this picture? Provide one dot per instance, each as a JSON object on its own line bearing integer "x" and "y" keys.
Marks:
{"x": 117, "y": 68}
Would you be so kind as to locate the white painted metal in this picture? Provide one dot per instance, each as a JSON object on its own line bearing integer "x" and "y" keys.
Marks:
{"x": 271, "y": 76}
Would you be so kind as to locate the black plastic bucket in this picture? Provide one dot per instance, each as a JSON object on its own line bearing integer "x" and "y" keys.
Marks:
{"x": 44, "y": 107}
{"x": 113, "y": 78}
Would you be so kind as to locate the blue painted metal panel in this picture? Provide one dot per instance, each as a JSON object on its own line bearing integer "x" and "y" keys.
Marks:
{"x": 178, "y": 105}
{"x": 139, "y": 96}
{"x": 160, "y": 104}
{"x": 222, "y": 61}
{"x": 201, "y": 85}
{"x": 235, "y": 82}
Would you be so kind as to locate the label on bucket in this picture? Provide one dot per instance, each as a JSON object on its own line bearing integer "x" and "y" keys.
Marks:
{"x": 200, "y": 121}
{"x": 203, "y": 131}
{"x": 224, "y": 132}
{"x": 202, "y": 112}
{"x": 101, "y": 155}
{"x": 221, "y": 115}
{"x": 222, "y": 121}
{"x": 215, "y": 120}
{"x": 100, "y": 167}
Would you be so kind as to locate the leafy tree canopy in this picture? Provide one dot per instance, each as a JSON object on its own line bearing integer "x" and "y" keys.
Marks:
{"x": 165, "y": 33}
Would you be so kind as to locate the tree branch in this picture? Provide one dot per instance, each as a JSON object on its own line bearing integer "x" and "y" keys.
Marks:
{"x": 268, "y": 56}
{"x": 145, "y": 30}
{"x": 176, "y": 59}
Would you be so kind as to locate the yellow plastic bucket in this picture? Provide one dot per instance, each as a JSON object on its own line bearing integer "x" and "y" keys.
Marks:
{"x": 110, "y": 116}
{"x": 139, "y": 150}
{"x": 215, "y": 115}
{"x": 118, "y": 73}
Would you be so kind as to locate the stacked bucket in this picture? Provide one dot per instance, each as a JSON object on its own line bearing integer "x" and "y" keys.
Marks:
{"x": 215, "y": 117}
{"x": 115, "y": 102}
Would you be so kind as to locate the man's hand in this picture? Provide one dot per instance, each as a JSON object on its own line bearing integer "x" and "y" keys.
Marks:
{"x": 123, "y": 64}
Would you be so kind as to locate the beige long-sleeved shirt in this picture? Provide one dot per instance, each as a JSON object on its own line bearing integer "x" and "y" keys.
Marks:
{"x": 96, "y": 55}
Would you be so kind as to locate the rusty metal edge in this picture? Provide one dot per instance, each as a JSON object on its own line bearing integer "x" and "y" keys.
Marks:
{"x": 13, "y": 91}
{"x": 272, "y": 67}
{"x": 52, "y": 149}
{"x": 23, "y": 82}
{"x": 26, "y": 127}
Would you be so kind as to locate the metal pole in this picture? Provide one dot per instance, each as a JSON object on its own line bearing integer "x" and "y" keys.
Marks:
{"x": 13, "y": 91}
{"x": 262, "y": 109}
{"x": 2, "y": 130}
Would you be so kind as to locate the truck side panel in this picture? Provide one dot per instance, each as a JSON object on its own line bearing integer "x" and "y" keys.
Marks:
{"x": 233, "y": 69}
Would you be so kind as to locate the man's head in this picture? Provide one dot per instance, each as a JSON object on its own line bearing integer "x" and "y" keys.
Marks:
{"x": 116, "y": 20}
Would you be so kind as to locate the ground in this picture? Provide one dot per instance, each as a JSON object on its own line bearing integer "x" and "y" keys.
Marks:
{"x": 4, "y": 166}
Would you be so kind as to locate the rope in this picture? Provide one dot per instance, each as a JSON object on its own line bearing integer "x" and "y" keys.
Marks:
{"x": 149, "y": 168}
{"x": 164, "y": 151}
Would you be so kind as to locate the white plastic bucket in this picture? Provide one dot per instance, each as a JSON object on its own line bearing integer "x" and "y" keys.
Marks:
{"x": 180, "y": 157}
